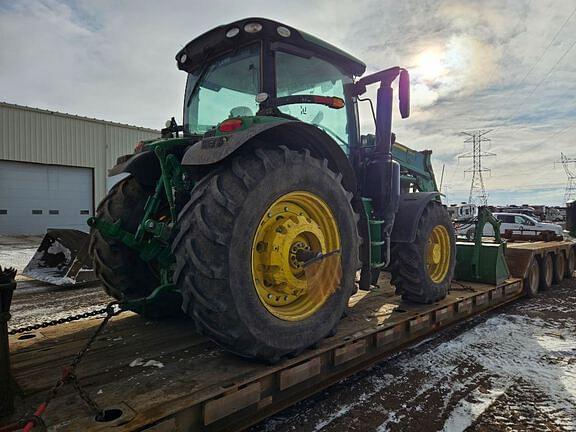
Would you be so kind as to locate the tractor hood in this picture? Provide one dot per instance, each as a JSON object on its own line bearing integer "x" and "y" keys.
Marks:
{"x": 231, "y": 36}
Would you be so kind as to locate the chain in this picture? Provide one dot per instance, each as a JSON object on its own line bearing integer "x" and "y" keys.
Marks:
{"x": 461, "y": 287}
{"x": 69, "y": 372}
{"x": 51, "y": 323}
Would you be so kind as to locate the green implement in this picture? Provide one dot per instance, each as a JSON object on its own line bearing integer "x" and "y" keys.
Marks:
{"x": 479, "y": 260}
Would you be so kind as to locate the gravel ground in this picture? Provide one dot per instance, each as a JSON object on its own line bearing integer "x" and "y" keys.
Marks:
{"x": 511, "y": 370}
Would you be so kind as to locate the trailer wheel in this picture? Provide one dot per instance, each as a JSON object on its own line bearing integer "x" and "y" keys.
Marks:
{"x": 559, "y": 267}
{"x": 240, "y": 234}
{"x": 123, "y": 274}
{"x": 571, "y": 263}
{"x": 546, "y": 272}
{"x": 422, "y": 270}
{"x": 532, "y": 280}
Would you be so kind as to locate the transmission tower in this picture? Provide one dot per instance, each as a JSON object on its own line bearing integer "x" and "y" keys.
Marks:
{"x": 477, "y": 189}
{"x": 570, "y": 191}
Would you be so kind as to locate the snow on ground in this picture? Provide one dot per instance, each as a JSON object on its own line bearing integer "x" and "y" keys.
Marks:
{"x": 512, "y": 370}
{"x": 17, "y": 258}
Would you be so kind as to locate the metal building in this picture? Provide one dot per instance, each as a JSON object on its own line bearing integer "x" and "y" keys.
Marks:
{"x": 53, "y": 166}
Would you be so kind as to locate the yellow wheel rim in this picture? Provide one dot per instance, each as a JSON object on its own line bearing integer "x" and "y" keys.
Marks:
{"x": 297, "y": 221}
{"x": 438, "y": 253}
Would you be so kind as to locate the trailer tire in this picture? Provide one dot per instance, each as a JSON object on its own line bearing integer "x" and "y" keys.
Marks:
{"x": 218, "y": 240}
{"x": 410, "y": 267}
{"x": 532, "y": 280}
{"x": 559, "y": 267}
{"x": 571, "y": 263}
{"x": 123, "y": 274}
{"x": 546, "y": 272}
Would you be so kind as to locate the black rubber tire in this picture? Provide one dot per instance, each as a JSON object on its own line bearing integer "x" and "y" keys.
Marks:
{"x": 559, "y": 268}
{"x": 374, "y": 276}
{"x": 570, "y": 263}
{"x": 123, "y": 274}
{"x": 546, "y": 272}
{"x": 532, "y": 280}
{"x": 214, "y": 244}
{"x": 408, "y": 266}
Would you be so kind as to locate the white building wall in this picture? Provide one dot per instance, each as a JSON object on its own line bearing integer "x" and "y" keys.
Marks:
{"x": 40, "y": 136}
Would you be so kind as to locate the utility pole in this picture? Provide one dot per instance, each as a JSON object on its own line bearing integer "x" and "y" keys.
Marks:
{"x": 570, "y": 191}
{"x": 477, "y": 189}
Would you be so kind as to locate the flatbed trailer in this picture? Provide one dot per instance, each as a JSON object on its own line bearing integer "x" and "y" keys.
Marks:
{"x": 161, "y": 376}
{"x": 519, "y": 254}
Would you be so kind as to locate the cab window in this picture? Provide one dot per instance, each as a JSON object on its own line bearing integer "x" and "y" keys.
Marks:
{"x": 297, "y": 75}
{"x": 226, "y": 89}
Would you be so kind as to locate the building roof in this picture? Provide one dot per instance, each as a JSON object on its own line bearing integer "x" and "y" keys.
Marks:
{"x": 77, "y": 117}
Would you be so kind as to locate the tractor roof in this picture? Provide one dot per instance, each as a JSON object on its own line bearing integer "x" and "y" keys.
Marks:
{"x": 215, "y": 42}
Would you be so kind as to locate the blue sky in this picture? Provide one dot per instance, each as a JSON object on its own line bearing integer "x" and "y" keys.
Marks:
{"x": 491, "y": 64}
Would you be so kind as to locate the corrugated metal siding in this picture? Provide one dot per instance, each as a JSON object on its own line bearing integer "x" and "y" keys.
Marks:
{"x": 31, "y": 135}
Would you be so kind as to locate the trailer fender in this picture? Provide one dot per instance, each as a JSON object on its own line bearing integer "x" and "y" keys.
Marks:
{"x": 410, "y": 209}
{"x": 290, "y": 133}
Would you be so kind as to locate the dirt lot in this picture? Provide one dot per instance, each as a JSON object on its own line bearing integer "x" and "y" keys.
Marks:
{"x": 511, "y": 370}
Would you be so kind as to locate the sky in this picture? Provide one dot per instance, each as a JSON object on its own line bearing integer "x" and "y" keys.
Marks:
{"x": 508, "y": 66}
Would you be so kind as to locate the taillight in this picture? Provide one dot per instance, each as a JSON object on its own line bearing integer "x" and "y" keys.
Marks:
{"x": 230, "y": 125}
{"x": 139, "y": 147}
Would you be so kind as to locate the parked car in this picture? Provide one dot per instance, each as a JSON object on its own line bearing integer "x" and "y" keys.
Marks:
{"x": 512, "y": 221}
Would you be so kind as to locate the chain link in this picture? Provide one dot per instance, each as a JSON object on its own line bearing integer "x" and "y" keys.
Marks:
{"x": 51, "y": 323}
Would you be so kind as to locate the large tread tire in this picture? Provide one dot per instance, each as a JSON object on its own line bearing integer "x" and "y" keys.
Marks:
{"x": 124, "y": 275}
{"x": 214, "y": 245}
{"x": 559, "y": 268}
{"x": 570, "y": 263}
{"x": 532, "y": 280}
{"x": 546, "y": 272}
{"x": 408, "y": 266}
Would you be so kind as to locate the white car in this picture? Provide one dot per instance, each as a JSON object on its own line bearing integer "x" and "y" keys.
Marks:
{"x": 519, "y": 222}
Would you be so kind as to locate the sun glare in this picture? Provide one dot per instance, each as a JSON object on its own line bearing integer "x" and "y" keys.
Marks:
{"x": 430, "y": 65}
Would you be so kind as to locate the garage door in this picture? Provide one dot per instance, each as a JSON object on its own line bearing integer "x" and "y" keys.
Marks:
{"x": 35, "y": 197}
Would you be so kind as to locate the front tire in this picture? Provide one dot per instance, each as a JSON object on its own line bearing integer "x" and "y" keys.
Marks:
{"x": 124, "y": 275}
{"x": 217, "y": 266}
{"x": 422, "y": 270}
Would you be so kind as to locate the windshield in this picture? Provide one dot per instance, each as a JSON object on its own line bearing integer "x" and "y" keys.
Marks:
{"x": 312, "y": 76}
{"x": 226, "y": 89}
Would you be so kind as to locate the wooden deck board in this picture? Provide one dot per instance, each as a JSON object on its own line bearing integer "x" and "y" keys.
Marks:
{"x": 194, "y": 368}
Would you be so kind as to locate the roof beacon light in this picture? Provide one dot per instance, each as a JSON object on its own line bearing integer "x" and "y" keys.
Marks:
{"x": 232, "y": 32}
{"x": 253, "y": 27}
{"x": 283, "y": 31}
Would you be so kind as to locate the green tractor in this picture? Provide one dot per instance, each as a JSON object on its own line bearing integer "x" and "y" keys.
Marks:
{"x": 221, "y": 217}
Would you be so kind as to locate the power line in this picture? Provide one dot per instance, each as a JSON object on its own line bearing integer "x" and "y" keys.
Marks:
{"x": 477, "y": 189}
{"x": 550, "y": 71}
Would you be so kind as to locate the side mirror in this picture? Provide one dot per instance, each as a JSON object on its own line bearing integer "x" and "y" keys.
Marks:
{"x": 404, "y": 93}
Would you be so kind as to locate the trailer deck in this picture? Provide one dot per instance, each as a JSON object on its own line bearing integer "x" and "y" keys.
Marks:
{"x": 161, "y": 376}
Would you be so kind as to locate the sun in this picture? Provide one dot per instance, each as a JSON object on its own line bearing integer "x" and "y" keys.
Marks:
{"x": 430, "y": 65}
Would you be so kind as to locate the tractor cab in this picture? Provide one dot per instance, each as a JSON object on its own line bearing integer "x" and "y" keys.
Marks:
{"x": 260, "y": 67}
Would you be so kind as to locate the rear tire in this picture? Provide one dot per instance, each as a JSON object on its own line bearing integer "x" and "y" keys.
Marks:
{"x": 532, "y": 280}
{"x": 214, "y": 252}
{"x": 546, "y": 272}
{"x": 410, "y": 268}
{"x": 559, "y": 267}
{"x": 122, "y": 272}
{"x": 571, "y": 263}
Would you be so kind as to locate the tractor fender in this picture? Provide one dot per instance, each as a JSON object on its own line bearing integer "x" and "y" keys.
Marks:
{"x": 410, "y": 209}
{"x": 143, "y": 166}
{"x": 290, "y": 133}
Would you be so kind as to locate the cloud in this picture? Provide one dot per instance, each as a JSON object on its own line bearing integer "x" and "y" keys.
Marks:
{"x": 115, "y": 60}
